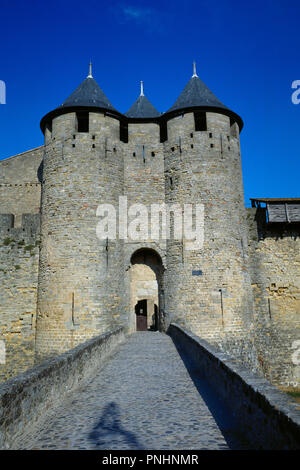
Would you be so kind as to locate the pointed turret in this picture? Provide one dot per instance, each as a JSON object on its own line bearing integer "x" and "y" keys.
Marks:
{"x": 87, "y": 95}
{"x": 142, "y": 108}
{"x": 197, "y": 95}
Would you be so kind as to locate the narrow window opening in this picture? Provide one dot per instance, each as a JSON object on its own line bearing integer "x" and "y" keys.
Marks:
{"x": 210, "y": 135}
{"x": 93, "y": 146}
{"x": 124, "y": 132}
{"x": 200, "y": 121}
{"x": 172, "y": 148}
{"x": 228, "y": 138}
{"x": 171, "y": 182}
{"x": 74, "y": 136}
{"x": 228, "y": 148}
{"x": 133, "y": 154}
{"x": 152, "y": 154}
{"x": 192, "y": 135}
{"x": 93, "y": 137}
{"x": 82, "y": 121}
{"x": 163, "y": 132}
{"x": 192, "y": 146}
{"x": 115, "y": 149}
{"x": 73, "y": 145}
{"x": 211, "y": 145}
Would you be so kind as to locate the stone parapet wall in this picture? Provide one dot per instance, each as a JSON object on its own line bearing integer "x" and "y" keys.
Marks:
{"x": 25, "y": 398}
{"x": 20, "y": 183}
{"x": 268, "y": 418}
{"x": 19, "y": 259}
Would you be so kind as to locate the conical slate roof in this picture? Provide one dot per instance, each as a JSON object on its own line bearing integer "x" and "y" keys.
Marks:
{"x": 88, "y": 94}
{"x": 142, "y": 108}
{"x": 196, "y": 93}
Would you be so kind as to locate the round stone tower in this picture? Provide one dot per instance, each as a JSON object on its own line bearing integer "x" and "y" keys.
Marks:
{"x": 207, "y": 287}
{"x": 80, "y": 280}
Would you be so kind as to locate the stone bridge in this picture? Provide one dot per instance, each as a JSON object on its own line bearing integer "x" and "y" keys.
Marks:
{"x": 148, "y": 390}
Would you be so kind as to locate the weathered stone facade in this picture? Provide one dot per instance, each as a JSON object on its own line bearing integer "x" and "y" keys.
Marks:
{"x": 76, "y": 286}
{"x": 275, "y": 278}
{"x": 19, "y": 261}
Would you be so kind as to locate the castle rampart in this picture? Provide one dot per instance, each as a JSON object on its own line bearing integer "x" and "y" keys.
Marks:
{"x": 19, "y": 258}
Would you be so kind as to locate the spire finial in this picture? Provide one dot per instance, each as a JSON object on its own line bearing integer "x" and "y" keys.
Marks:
{"x": 90, "y": 70}
{"x": 194, "y": 70}
{"x": 142, "y": 88}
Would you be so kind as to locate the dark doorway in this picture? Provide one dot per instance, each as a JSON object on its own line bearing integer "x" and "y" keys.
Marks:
{"x": 147, "y": 267}
{"x": 141, "y": 315}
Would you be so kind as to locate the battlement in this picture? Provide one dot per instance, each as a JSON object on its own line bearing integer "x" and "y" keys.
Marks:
{"x": 29, "y": 227}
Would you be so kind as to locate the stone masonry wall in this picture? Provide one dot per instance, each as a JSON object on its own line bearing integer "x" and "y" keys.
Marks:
{"x": 275, "y": 274}
{"x": 19, "y": 258}
{"x": 143, "y": 184}
{"x": 267, "y": 418}
{"x": 20, "y": 184}
{"x": 25, "y": 399}
{"x": 208, "y": 288}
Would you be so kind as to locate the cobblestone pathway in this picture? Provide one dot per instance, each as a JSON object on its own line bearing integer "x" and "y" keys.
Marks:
{"x": 144, "y": 398}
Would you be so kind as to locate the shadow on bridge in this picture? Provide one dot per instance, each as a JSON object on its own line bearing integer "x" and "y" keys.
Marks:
{"x": 222, "y": 415}
{"x": 108, "y": 433}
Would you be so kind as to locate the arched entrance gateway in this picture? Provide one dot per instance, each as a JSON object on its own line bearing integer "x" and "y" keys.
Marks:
{"x": 146, "y": 290}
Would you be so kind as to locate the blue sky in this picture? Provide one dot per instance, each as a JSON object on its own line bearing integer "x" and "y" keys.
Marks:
{"x": 246, "y": 52}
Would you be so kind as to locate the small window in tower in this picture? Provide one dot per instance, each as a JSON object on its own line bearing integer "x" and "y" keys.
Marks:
{"x": 115, "y": 149}
{"x": 93, "y": 137}
{"x": 228, "y": 138}
{"x": 93, "y": 146}
{"x": 163, "y": 132}
{"x": 82, "y": 121}
{"x": 124, "y": 132}
{"x": 192, "y": 146}
{"x": 210, "y": 135}
{"x": 171, "y": 182}
{"x": 192, "y": 135}
{"x": 211, "y": 145}
{"x": 152, "y": 154}
{"x": 200, "y": 121}
{"x": 133, "y": 154}
{"x": 228, "y": 148}
{"x": 172, "y": 148}
{"x": 74, "y": 136}
{"x": 73, "y": 145}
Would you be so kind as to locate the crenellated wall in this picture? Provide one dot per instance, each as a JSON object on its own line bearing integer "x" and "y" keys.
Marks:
{"x": 19, "y": 258}
{"x": 20, "y": 184}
